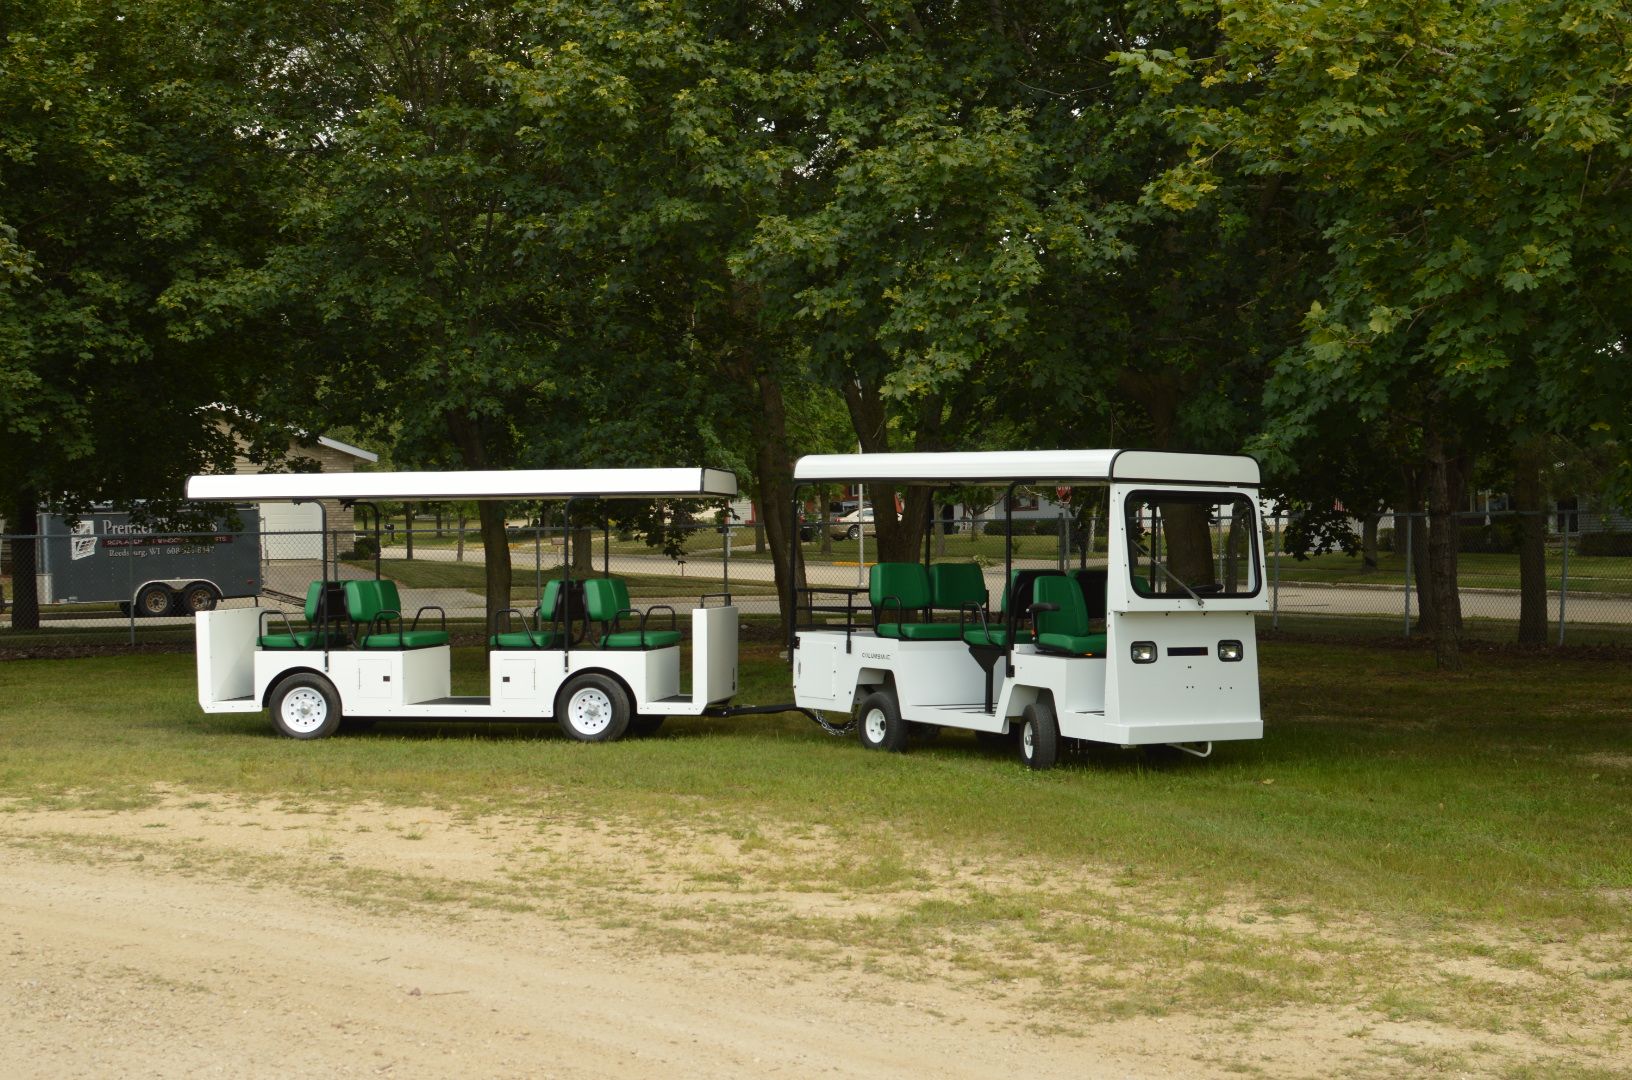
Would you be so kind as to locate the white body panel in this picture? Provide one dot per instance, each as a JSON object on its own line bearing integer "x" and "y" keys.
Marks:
{"x": 234, "y": 675}
{"x": 226, "y": 659}
{"x": 476, "y": 484}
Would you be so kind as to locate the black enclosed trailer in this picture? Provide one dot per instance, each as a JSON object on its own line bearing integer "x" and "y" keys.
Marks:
{"x": 105, "y": 558}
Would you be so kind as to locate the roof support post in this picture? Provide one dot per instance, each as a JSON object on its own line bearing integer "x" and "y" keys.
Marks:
{"x": 1008, "y": 579}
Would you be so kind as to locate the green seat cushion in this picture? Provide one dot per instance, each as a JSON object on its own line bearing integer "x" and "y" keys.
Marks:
{"x": 999, "y": 636}
{"x": 412, "y": 639}
{"x": 918, "y": 631}
{"x": 605, "y": 597}
{"x": 632, "y": 639}
{"x": 300, "y": 639}
{"x": 953, "y": 585}
{"x": 366, "y": 599}
{"x": 906, "y": 582}
{"x": 541, "y": 639}
{"x": 1081, "y": 644}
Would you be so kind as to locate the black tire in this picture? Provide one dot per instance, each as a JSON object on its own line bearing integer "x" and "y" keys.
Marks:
{"x": 305, "y": 706}
{"x": 642, "y": 725}
{"x": 199, "y": 596}
{"x": 1039, "y": 740}
{"x": 926, "y": 732}
{"x": 879, "y": 724}
{"x": 154, "y": 600}
{"x": 853, "y": 533}
{"x": 593, "y": 708}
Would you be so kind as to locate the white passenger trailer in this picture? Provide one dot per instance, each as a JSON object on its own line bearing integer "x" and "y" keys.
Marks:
{"x": 250, "y": 659}
{"x": 1174, "y": 664}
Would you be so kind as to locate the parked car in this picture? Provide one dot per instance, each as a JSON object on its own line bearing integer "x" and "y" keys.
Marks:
{"x": 850, "y": 525}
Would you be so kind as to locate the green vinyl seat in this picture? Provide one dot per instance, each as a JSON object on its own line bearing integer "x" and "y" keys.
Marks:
{"x": 377, "y": 604}
{"x": 1065, "y": 628}
{"x": 992, "y": 630}
{"x": 894, "y": 589}
{"x": 606, "y": 601}
{"x": 301, "y": 639}
{"x": 528, "y": 637}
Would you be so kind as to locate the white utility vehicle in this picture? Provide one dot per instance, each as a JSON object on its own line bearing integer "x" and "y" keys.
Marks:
{"x": 1155, "y": 648}
{"x": 586, "y": 659}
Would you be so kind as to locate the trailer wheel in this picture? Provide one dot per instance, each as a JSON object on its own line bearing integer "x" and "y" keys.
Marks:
{"x": 593, "y": 708}
{"x": 199, "y": 596}
{"x": 642, "y": 725}
{"x": 1039, "y": 736}
{"x": 879, "y": 723}
{"x": 305, "y": 706}
{"x": 154, "y": 600}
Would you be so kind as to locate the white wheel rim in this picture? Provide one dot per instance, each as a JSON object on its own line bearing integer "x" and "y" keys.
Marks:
{"x": 875, "y": 723}
{"x": 1025, "y": 739}
{"x": 590, "y": 711}
{"x": 304, "y": 710}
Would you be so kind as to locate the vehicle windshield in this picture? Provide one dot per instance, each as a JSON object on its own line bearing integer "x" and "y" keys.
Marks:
{"x": 1196, "y": 544}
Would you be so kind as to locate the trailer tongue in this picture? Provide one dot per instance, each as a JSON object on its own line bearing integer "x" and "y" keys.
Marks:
{"x": 585, "y": 658}
{"x": 1157, "y": 647}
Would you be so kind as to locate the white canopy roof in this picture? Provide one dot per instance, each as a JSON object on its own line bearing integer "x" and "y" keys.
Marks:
{"x": 460, "y": 486}
{"x": 1030, "y": 466}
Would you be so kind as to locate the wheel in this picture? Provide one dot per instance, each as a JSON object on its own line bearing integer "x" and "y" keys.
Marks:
{"x": 881, "y": 726}
{"x": 305, "y": 706}
{"x": 593, "y": 708}
{"x": 853, "y": 533}
{"x": 926, "y": 732}
{"x": 199, "y": 596}
{"x": 643, "y": 724}
{"x": 1039, "y": 736}
{"x": 154, "y": 600}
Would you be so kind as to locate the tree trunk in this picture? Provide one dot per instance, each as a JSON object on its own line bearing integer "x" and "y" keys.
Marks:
{"x": 1443, "y": 535}
{"x": 408, "y": 528}
{"x": 25, "y": 594}
{"x": 1368, "y": 543}
{"x": 460, "y": 556}
{"x": 767, "y": 416}
{"x": 1415, "y": 534}
{"x": 469, "y": 436}
{"x": 496, "y": 549}
{"x": 1532, "y": 534}
{"x": 583, "y": 551}
{"x": 1189, "y": 544}
{"x": 899, "y": 535}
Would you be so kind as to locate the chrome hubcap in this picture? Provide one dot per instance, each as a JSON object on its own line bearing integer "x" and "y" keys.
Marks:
{"x": 590, "y": 711}
{"x": 304, "y": 710}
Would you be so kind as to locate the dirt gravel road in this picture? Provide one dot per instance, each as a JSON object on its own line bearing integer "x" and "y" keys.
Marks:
{"x": 196, "y": 941}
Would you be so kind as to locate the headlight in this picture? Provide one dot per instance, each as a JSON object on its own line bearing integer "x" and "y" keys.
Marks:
{"x": 1229, "y": 651}
{"x": 1144, "y": 652}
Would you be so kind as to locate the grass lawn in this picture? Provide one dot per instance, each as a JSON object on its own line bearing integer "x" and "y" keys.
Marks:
{"x": 1504, "y": 793}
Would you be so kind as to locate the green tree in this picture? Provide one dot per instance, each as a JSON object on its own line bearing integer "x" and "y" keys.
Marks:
{"x": 126, "y": 177}
{"x": 1467, "y": 164}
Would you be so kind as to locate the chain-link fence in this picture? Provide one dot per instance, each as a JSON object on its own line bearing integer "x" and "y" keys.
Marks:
{"x": 1378, "y": 589}
{"x": 145, "y": 587}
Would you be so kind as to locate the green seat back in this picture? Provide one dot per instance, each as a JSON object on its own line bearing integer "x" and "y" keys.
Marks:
{"x": 605, "y": 597}
{"x": 314, "y": 594}
{"x": 907, "y": 581}
{"x": 547, "y": 603}
{"x": 1072, "y": 618}
{"x": 366, "y": 599}
{"x": 953, "y": 585}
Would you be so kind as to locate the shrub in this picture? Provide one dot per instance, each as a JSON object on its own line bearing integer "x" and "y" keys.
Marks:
{"x": 365, "y": 548}
{"x": 1487, "y": 540}
{"x": 1604, "y": 543}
